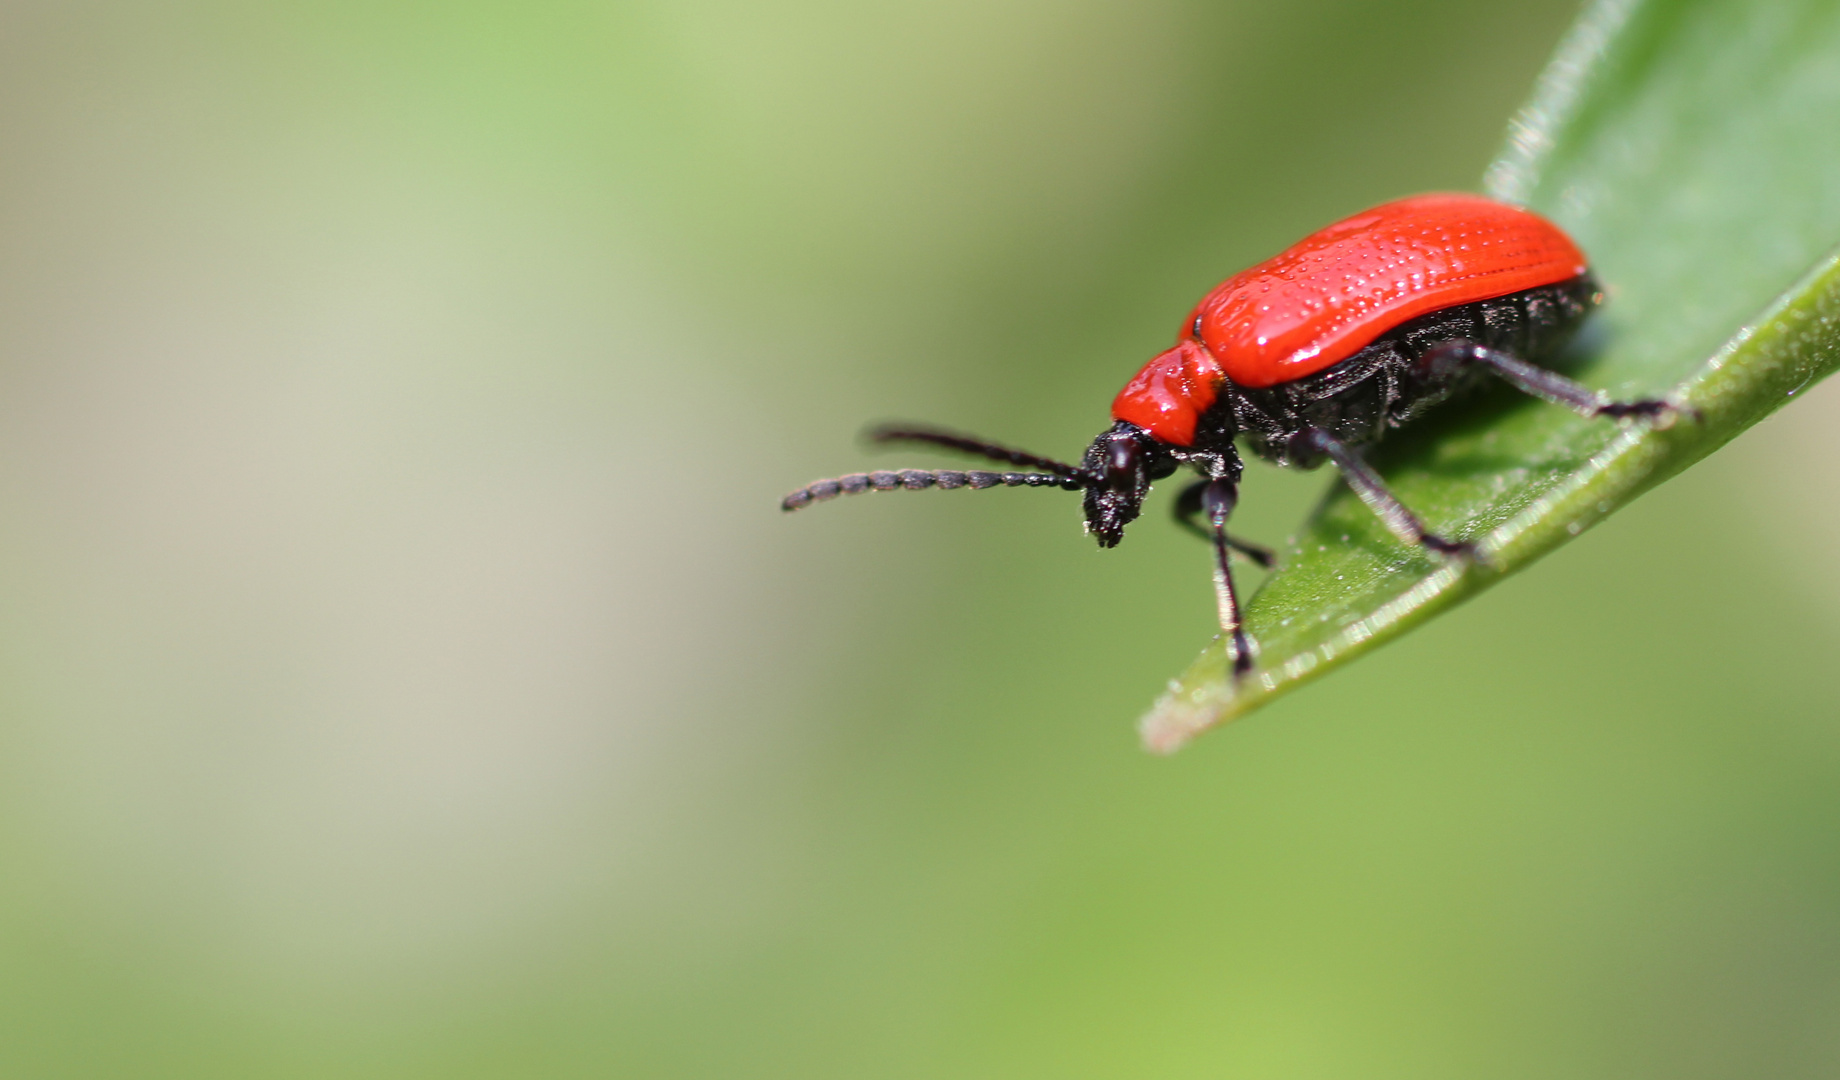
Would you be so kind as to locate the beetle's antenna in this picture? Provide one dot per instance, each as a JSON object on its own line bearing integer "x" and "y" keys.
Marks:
{"x": 916, "y": 479}
{"x": 951, "y": 440}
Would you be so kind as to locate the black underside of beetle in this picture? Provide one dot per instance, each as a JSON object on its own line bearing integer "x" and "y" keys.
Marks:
{"x": 1388, "y": 384}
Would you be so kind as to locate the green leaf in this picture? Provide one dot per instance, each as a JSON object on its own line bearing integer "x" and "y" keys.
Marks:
{"x": 1692, "y": 147}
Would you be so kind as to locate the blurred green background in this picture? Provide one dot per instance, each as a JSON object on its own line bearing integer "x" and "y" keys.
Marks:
{"x": 405, "y": 670}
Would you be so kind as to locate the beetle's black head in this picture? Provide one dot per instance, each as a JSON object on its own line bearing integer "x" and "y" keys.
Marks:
{"x": 1118, "y": 468}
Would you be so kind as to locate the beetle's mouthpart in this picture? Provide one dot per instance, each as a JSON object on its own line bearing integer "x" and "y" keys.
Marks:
{"x": 1108, "y": 512}
{"x": 919, "y": 479}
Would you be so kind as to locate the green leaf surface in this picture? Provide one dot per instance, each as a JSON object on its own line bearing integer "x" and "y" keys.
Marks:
{"x": 1692, "y": 148}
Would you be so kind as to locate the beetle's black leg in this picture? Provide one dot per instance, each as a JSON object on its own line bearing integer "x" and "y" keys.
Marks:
{"x": 1372, "y": 491}
{"x": 1218, "y": 497}
{"x": 1188, "y": 515}
{"x": 1541, "y": 382}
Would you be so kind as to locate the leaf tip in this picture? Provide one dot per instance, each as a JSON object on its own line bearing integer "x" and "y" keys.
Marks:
{"x": 1181, "y": 714}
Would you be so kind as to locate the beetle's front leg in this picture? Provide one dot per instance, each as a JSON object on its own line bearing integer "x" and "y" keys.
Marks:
{"x": 1218, "y": 497}
{"x": 1188, "y": 515}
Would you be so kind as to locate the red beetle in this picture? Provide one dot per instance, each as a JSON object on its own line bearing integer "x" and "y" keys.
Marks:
{"x": 1309, "y": 357}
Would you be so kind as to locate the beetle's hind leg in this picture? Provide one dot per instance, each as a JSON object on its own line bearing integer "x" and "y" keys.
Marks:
{"x": 1188, "y": 515}
{"x": 1448, "y": 356}
{"x": 1367, "y": 484}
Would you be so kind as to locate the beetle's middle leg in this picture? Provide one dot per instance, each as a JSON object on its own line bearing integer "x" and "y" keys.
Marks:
{"x": 1367, "y": 484}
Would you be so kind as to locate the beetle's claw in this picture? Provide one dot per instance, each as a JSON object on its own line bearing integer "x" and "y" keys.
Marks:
{"x": 1661, "y": 413}
{"x": 1242, "y": 656}
{"x": 1456, "y": 550}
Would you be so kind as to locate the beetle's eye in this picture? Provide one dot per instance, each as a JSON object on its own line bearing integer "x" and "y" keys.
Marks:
{"x": 1121, "y": 465}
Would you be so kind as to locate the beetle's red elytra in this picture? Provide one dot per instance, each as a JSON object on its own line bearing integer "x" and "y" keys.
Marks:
{"x": 1331, "y": 294}
{"x": 1311, "y": 356}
